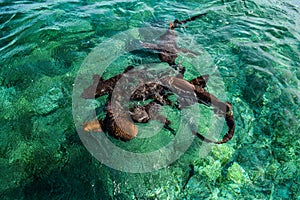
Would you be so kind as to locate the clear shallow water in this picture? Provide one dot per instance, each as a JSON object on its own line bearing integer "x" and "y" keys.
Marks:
{"x": 255, "y": 47}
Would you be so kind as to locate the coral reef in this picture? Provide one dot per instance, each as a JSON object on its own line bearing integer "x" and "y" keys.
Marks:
{"x": 254, "y": 45}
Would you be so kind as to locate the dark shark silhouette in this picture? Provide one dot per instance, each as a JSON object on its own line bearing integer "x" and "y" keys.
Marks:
{"x": 167, "y": 46}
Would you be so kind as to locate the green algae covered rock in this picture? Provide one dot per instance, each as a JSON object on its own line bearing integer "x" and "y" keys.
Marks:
{"x": 237, "y": 174}
{"x": 7, "y": 96}
{"x": 212, "y": 171}
{"x": 33, "y": 131}
{"x": 222, "y": 152}
{"x": 49, "y": 101}
{"x": 11, "y": 175}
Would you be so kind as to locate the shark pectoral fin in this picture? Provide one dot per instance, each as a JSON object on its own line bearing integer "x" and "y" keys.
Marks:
{"x": 151, "y": 46}
{"x": 191, "y": 18}
{"x": 189, "y": 52}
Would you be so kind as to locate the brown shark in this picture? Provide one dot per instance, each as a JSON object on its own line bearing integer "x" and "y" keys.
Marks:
{"x": 167, "y": 46}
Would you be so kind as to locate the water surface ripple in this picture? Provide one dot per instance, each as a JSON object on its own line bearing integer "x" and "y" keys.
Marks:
{"x": 254, "y": 45}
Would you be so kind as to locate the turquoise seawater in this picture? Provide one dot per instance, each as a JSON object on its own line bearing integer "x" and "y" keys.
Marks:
{"x": 252, "y": 47}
